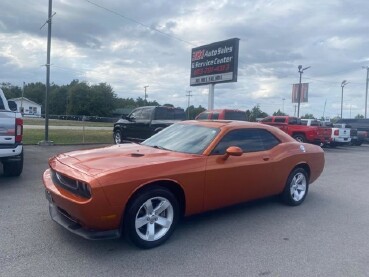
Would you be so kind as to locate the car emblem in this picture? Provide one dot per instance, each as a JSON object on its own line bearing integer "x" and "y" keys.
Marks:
{"x": 302, "y": 148}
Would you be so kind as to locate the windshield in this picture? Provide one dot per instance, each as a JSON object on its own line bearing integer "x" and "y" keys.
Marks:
{"x": 192, "y": 139}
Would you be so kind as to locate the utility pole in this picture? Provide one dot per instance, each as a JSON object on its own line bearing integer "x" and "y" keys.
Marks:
{"x": 343, "y": 84}
{"x": 48, "y": 22}
{"x": 283, "y": 104}
{"x": 366, "y": 90}
{"x": 145, "y": 87}
{"x": 301, "y": 70}
{"x": 21, "y": 108}
{"x": 294, "y": 114}
{"x": 189, "y": 95}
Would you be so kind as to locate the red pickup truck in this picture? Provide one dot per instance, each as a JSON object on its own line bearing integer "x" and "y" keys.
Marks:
{"x": 299, "y": 131}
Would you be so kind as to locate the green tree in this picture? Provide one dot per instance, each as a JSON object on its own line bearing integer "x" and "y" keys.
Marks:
{"x": 11, "y": 91}
{"x": 101, "y": 100}
{"x": 359, "y": 116}
{"x": 192, "y": 112}
{"x": 279, "y": 113}
{"x": 255, "y": 114}
{"x": 58, "y": 100}
{"x": 36, "y": 93}
{"x": 78, "y": 98}
{"x": 308, "y": 116}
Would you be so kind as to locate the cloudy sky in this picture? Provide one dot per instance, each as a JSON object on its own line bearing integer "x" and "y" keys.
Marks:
{"x": 132, "y": 44}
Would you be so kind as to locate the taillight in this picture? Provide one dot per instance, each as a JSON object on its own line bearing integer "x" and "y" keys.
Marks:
{"x": 336, "y": 132}
{"x": 18, "y": 129}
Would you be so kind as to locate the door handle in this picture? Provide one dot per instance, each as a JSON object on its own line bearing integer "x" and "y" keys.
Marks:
{"x": 266, "y": 158}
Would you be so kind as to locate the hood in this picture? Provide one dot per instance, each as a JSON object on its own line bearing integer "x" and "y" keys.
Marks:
{"x": 124, "y": 156}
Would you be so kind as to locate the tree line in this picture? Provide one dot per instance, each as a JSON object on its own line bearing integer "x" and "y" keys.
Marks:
{"x": 81, "y": 98}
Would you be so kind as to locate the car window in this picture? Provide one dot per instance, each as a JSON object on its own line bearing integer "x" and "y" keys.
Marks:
{"x": 267, "y": 119}
{"x": 202, "y": 116}
{"x": 214, "y": 116}
{"x": 192, "y": 139}
{"x": 145, "y": 114}
{"x": 280, "y": 119}
{"x": 165, "y": 113}
{"x": 249, "y": 140}
{"x": 235, "y": 115}
{"x": 136, "y": 114}
{"x": 294, "y": 121}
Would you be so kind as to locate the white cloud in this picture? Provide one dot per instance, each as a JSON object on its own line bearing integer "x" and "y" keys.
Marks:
{"x": 92, "y": 44}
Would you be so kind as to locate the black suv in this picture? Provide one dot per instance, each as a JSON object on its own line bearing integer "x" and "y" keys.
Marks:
{"x": 143, "y": 122}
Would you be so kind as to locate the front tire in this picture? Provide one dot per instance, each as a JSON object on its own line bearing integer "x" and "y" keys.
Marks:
{"x": 296, "y": 188}
{"x": 117, "y": 137}
{"x": 151, "y": 217}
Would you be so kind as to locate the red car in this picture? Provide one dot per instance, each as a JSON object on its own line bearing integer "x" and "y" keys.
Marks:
{"x": 187, "y": 168}
{"x": 222, "y": 114}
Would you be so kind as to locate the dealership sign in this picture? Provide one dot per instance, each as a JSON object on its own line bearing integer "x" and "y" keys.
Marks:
{"x": 303, "y": 95}
{"x": 215, "y": 63}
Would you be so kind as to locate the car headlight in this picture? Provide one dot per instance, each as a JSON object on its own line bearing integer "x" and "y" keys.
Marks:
{"x": 75, "y": 186}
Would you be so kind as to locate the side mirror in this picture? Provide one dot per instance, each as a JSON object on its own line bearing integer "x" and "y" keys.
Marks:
{"x": 12, "y": 106}
{"x": 232, "y": 151}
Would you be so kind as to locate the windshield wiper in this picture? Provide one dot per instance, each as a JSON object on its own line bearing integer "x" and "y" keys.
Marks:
{"x": 160, "y": 147}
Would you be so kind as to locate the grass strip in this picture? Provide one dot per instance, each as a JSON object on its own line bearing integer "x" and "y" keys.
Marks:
{"x": 33, "y": 136}
{"x": 57, "y": 122}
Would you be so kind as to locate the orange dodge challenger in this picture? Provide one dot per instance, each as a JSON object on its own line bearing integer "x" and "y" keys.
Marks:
{"x": 142, "y": 190}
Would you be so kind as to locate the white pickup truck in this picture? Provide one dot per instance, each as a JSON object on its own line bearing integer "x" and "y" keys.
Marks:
{"x": 11, "y": 134}
{"x": 340, "y": 135}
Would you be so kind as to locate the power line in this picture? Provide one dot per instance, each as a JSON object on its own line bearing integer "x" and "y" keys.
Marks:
{"x": 138, "y": 22}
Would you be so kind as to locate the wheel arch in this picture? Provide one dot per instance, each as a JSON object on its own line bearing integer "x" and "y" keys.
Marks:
{"x": 305, "y": 167}
{"x": 170, "y": 185}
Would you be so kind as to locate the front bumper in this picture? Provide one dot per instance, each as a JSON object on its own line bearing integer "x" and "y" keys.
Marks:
{"x": 62, "y": 218}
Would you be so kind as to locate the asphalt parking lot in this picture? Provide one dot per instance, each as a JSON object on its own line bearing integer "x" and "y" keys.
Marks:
{"x": 328, "y": 235}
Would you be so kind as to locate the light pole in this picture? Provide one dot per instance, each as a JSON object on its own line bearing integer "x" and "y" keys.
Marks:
{"x": 283, "y": 104}
{"x": 301, "y": 70}
{"x": 145, "y": 87}
{"x": 366, "y": 91}
{"x": 343, "y": 84}
{"x": 188, "y": 104}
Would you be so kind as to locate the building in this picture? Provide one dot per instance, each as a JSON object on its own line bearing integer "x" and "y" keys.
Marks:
{"x": 27, "y": 107}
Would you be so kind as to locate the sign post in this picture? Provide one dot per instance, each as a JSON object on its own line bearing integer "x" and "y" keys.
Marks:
{"x": 214, "y": 63}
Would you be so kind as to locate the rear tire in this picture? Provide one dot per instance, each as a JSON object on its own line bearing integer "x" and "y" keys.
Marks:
{"x": 12, "y": 169}
{"x": 296, "y": 188}
{"x": 299, "y": 137}
{"x": 151, "y": 217}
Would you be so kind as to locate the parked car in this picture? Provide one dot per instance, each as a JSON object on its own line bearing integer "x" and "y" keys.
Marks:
{"x": 226, "y": 114}
{"x": 142, "y": 190}
{"x": 362, "y": 127}
{"x": 300, "y": 130}
{"x": 358, "y": 137}
{"x": 143, "y": 122}
{"x": 11, "y": 136}
{"x": 340, "y": 135}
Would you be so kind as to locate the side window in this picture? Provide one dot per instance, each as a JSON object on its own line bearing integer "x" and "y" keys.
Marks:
{"x": 214, "y": 116}
{"x": 136, "y": 114}
{"x": 163, "y": 113}
{"x": 280, "y": 119}
{"x": 267, "y": 119}
{"x": 235, "y": 115}
{"x": 249, "y": 140}
{"x": 2, "y": 106}
{"x": 203, "y": 116}
{"x": 145, "y": 114}
{"x": 292, "y": 120}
